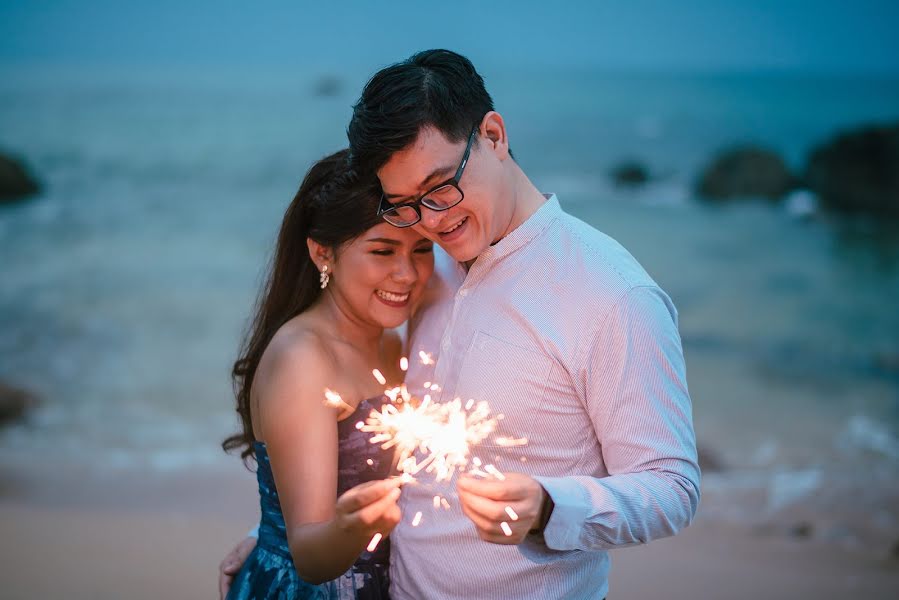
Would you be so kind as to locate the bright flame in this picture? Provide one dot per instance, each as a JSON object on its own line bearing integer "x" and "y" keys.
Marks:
{"x": 425, "y": 358}
{"x": 404, "y": 363}
{"x": 443, "y": 433}
{"x": 381, "y": 379}
{"x": 374, "y": 542}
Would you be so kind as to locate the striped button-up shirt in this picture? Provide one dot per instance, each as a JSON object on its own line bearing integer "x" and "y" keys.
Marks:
{"x": 563, "y": 332}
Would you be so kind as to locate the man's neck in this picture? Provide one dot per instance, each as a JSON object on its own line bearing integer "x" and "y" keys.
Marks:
{"x": 526, "y": 200}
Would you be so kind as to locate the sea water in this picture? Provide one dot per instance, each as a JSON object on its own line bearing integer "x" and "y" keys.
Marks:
{"x": 126, "y": 284}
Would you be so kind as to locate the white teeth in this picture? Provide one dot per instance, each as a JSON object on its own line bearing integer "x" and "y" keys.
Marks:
{"x": 392, "y": 297}
{"x": 455, "y": 227}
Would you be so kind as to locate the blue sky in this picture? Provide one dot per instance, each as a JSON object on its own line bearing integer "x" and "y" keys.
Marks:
{"x": 828, "y": 36}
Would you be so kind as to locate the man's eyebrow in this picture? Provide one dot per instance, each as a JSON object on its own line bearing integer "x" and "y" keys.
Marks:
{"x": 438, "y": 173}
{"x": 384, "y": 241}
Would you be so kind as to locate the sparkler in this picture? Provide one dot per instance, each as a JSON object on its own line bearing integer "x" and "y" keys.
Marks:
{"x": 441, "y": 433}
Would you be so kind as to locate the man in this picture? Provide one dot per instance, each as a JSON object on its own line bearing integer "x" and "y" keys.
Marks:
{"x": 551, "y": 322}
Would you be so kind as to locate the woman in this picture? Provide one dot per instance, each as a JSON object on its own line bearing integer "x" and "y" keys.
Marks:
{"x": 340, "y": 279}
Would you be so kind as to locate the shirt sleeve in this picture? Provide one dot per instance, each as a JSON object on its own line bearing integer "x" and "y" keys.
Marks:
{"x": 633, "y": 380}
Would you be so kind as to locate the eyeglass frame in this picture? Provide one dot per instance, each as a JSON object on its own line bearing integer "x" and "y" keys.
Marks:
{"x": 385, "y": 206}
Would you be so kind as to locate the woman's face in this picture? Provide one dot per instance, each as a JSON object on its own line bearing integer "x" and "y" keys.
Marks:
{"x": 381, "y": 275}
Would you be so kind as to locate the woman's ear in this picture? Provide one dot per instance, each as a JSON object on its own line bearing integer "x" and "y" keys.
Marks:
{"x": 320, "y": 255}
{"x": 493, "y": 128}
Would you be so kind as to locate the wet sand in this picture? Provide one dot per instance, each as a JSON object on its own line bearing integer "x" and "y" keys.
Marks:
{"x": 82, "y": 535}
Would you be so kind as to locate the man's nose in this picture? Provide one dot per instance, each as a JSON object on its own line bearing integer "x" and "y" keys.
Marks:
{"x": 430, "y": 218}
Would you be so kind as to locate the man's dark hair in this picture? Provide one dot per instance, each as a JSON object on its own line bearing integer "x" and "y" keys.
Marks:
{"x": 437, "y": 88}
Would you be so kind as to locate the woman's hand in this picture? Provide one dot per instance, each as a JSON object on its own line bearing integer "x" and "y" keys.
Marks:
{"x": 369, "y": 508}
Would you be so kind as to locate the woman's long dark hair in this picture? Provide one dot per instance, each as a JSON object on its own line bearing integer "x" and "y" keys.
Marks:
{"x": 334, "y": 205}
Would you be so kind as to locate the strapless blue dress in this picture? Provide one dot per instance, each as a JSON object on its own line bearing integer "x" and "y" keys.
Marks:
{"x": 269, "y": 572}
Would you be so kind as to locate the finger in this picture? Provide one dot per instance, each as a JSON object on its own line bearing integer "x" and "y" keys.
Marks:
{"x": 371, "y": 514}
{"x": 508, "y": 490}
{"x": 484, "y": 507}
{"x": 365, "y": 494}
{"x": 486, "y": 527}
{"x": 224, "y": 584}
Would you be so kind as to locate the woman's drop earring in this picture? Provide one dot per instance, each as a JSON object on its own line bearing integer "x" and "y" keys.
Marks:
{"x": 325, "y": 277}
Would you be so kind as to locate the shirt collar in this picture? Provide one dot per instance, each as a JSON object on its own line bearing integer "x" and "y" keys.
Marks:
{"x": 548, "y": 212}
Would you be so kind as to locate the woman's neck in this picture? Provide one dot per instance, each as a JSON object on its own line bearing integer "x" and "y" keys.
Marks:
{"x": 347, "y": 327}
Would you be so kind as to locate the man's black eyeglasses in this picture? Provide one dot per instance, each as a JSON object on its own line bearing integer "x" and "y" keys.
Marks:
{"x": 442, "y": 196}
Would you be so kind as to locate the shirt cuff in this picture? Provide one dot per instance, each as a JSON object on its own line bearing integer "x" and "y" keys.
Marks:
{"x": 563, "y": 530}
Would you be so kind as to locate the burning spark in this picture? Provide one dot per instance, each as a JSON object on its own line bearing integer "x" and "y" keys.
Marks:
{"x": 495, "y": 472}
{"x": 435, "y": 387}
{"x": 404, "y": 363}
{"x": 508, "y": 441}
{"x": 426, "y": 358}
{"x": 417, "y": 519}
{"x": 444, "y": 503}
{"x": 512, "y": 514}
{"x": 377, "y": 539}
{"x": 370, "y": 462}
{"x": 381, "y": 379}
{"x": 334, "y": 400}
{"x": 506, "y": 529}
{"x": 441, "y": 432}
{"x": 427, "y": 385}
{"x": 360, "y": 425}
{"x": 436, "y": 501}
{"x": 469, "y": 403}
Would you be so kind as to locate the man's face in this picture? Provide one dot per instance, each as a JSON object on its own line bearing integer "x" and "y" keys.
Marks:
{"x": 468, "y": 228}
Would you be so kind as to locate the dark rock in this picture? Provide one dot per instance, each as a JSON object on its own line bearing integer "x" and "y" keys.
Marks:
{"x": 327, "y": 86}
{"x": 15, "y": 180}
{"x": 14, "y": 403}
{"x": 888, "y": 362}
{"x": 803, "y": 530}
{"x": 629, "y": 174}
{"x": 858, "y": 171}
{"x": 745, "y": 172}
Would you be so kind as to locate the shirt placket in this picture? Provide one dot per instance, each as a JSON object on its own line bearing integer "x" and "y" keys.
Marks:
{"x": 448, "y": 369}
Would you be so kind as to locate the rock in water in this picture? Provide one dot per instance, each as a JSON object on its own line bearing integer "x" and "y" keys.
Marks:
{"x": 745, "y": 172}
{"x": 858, "y": 171}
{"x": 15, "y": 180}
{"x": 14, "y": 403}
{"x": 629, "y": 174}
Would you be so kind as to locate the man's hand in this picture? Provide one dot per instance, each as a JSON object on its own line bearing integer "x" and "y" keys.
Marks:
{"x": 489, "y": 504}
{"x": 232, "y": 563}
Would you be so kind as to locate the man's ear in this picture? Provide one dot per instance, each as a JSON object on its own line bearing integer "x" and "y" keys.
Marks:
{"x": 320, "y": 255}
{"x": 493, "y": 132}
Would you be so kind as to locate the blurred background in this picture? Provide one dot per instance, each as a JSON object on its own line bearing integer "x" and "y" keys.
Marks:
{"x": 746, "y": 153}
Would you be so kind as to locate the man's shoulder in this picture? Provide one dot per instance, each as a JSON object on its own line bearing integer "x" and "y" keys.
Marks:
{"x": 594, "y": 261}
